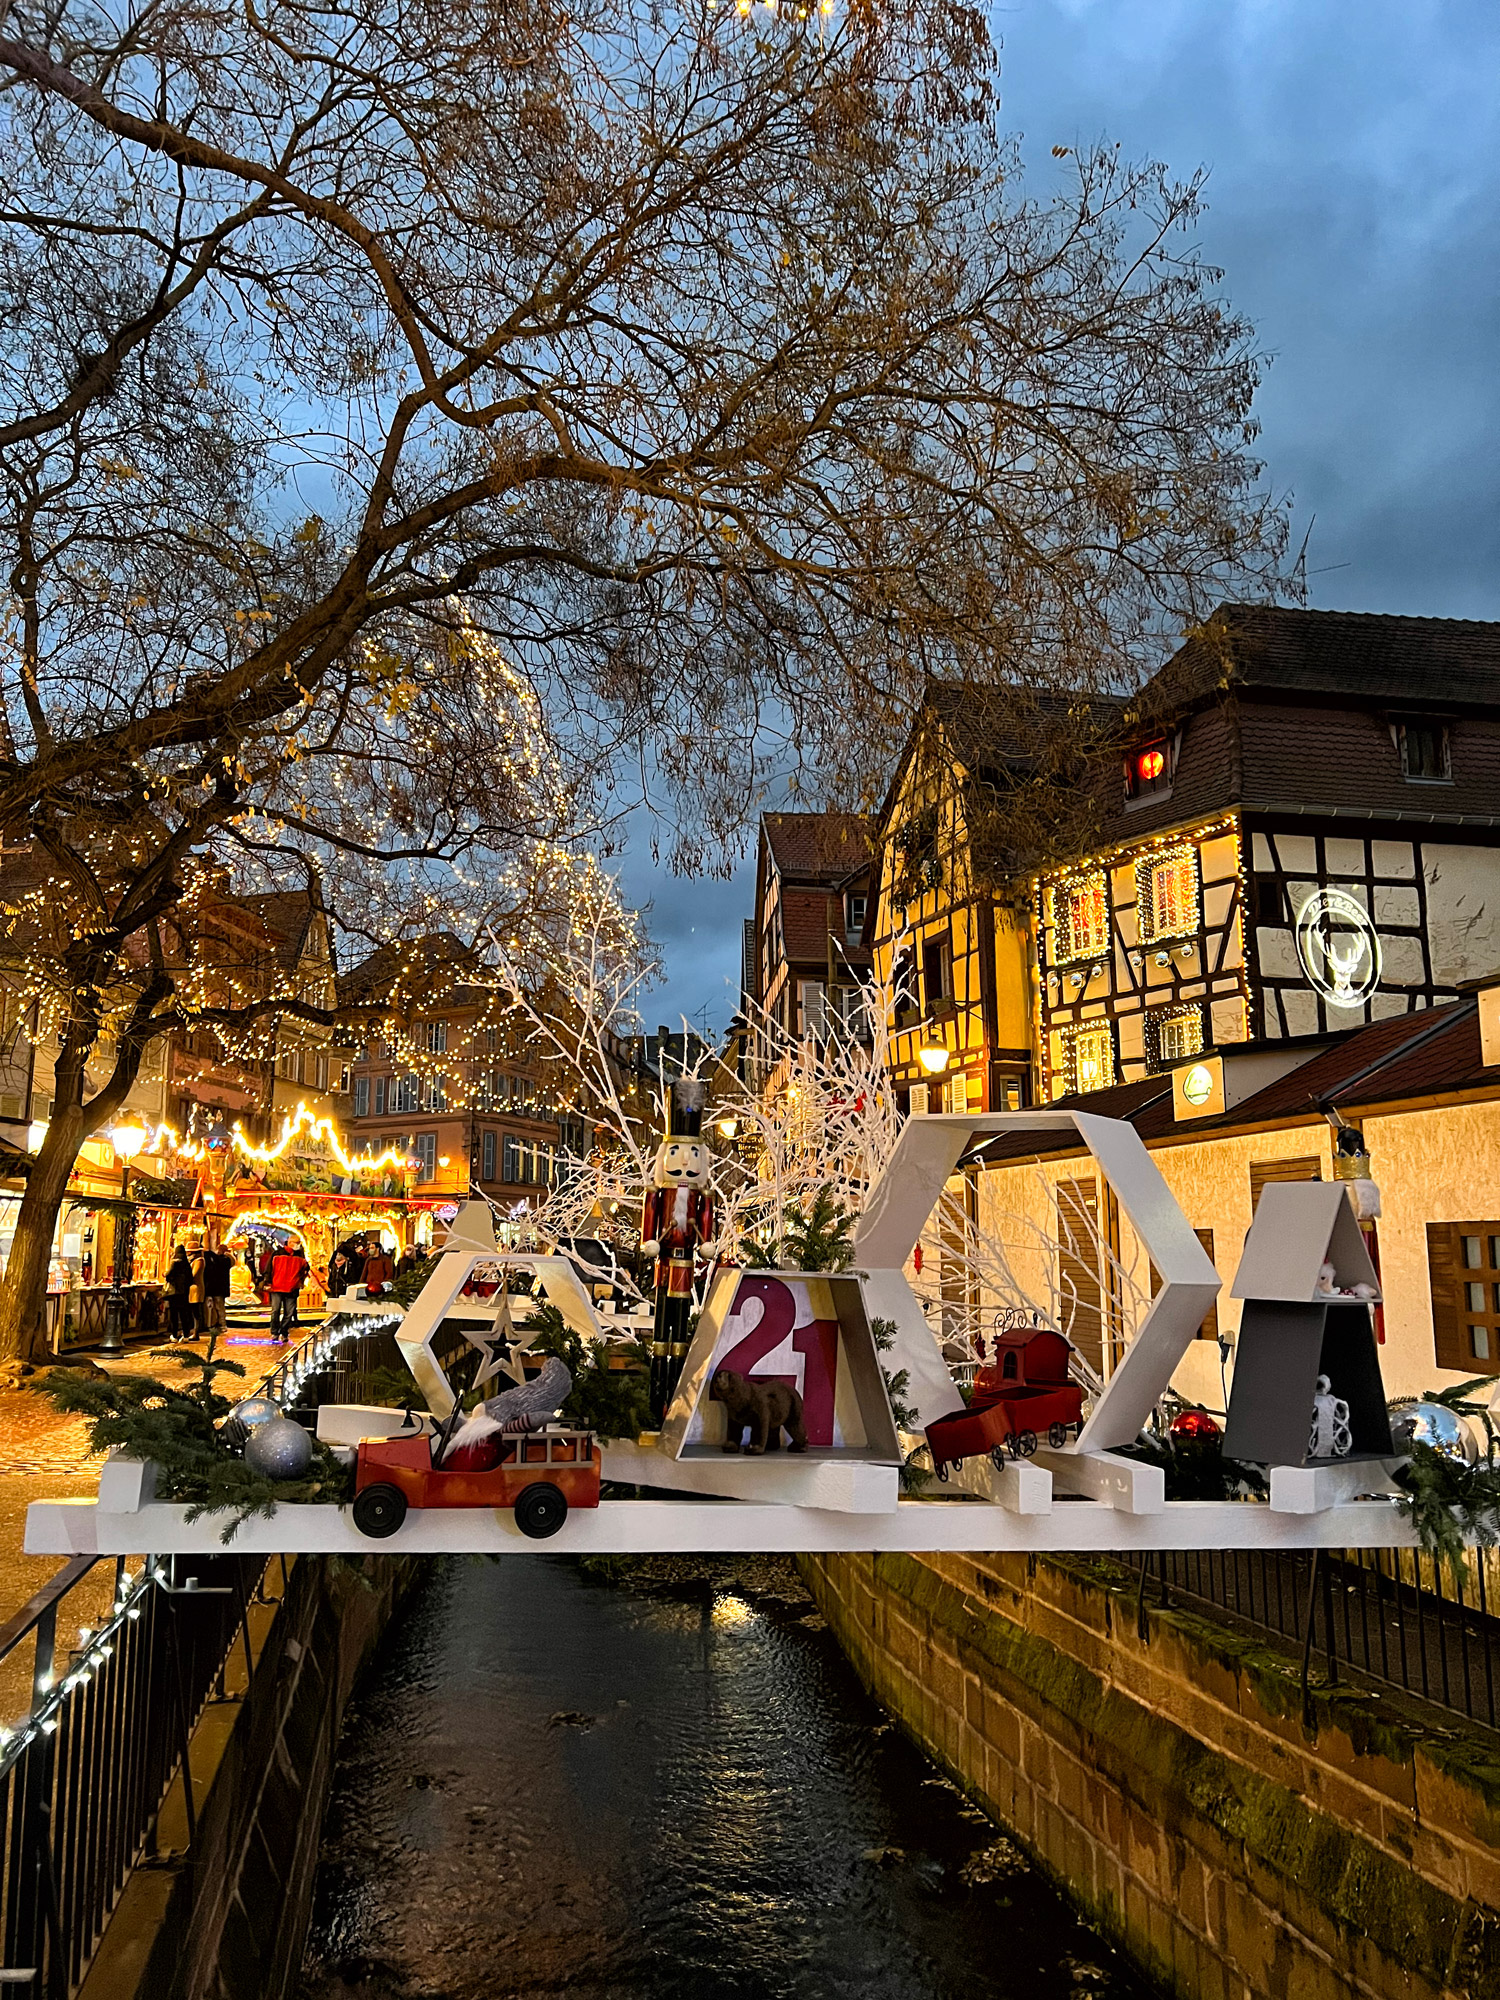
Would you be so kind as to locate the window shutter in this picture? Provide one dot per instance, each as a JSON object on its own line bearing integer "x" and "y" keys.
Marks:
{"x": 1262, "y": 1171}
{"x": 1445, "y": 1278}
{"x": 919, "y": 1098}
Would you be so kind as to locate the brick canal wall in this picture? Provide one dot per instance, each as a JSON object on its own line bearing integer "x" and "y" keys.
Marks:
{"x": 1171, "y": 1785}
{"x": 224, "y": 1917}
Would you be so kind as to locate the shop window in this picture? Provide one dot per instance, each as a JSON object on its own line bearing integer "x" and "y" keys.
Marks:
{"x": 487, "y": 1156}
{"x": 1091, "y": 1057}
{"x": 1463, "y": 1269}
{"x": 361, "y": 1097}
{"x": 1167, "y": 894}
{"x": 1173, "y": 1034}
{"x": 1080, "y": 918}
{"x": 1425, "y": 758}
{"x": 1148, "y": 771}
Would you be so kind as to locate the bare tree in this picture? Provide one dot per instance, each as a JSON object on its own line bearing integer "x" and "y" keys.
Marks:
{"x": 410, "y": 421}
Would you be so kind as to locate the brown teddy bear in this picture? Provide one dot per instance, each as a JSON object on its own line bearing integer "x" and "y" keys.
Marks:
{"x": 766, "y": 1409}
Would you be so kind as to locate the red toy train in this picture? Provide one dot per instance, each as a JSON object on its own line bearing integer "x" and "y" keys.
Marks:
{"x": 1022, "y": 1394}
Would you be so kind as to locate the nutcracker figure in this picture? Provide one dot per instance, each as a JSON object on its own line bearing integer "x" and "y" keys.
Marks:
{"x": 678, "y": 1217}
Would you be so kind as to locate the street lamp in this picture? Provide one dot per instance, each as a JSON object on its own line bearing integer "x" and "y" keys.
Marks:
{"x": 127, "y": 1141}
{"x": 729, "y": 1126}
{"x": 933, "y": 1057}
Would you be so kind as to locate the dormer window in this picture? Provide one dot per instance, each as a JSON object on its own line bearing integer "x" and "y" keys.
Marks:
{"x": 1148, "y": 771}
{"x": 1424, "y": 752}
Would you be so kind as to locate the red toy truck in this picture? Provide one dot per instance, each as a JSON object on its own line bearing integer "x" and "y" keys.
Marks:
{"x": 538, "y": 1474}
{"x": 1024, "y": 1391}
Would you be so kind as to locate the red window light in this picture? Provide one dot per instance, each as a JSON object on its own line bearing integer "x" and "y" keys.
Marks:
{"x": 1150, "y": 765}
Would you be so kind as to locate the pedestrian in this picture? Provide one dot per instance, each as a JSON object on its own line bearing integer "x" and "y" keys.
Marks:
{"x": 179, "y": 1282}
{"x": 263, "y": 1272}
{"x": 289, "y": 1268}
{"x": 217, "y": 1265}
{"x": 354, "y": 1251}
{"x": 380, "y": 1269}
{"x": 198, "y": 1290}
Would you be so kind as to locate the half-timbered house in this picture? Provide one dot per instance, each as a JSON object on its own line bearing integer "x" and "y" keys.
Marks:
{"x": 1302, "y": 836}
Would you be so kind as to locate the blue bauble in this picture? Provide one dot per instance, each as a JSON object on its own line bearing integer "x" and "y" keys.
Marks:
{"x": 248, "y": 1415}
{"x": 279, "y": 1449}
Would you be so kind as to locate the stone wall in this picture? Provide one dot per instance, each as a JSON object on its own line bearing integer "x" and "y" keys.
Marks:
{"x": 224, "y": 1917}
{"x": 1171, "y": 1784}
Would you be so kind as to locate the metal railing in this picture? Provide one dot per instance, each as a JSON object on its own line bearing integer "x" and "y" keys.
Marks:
{"x": 330, "y": 1364}
{"x": 1392, "y": 1616}
{"x": 84, "y": 1776}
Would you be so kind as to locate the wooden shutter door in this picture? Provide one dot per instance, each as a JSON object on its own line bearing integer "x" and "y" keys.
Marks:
{"x": 1078, "y": 1269}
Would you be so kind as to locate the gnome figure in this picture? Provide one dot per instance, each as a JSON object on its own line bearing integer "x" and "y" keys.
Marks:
{"x": 678, "y": 1217}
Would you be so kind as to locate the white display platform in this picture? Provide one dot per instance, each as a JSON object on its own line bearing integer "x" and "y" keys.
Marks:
{"x": 845, "y": 1485}
{"x": 703, "y": 1526}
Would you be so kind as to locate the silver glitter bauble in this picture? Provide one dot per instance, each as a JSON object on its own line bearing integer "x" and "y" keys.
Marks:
{"x": 247, "y": 1415}
{"x": 1434, "y": 1424}
{"x": 279, "y": 1449}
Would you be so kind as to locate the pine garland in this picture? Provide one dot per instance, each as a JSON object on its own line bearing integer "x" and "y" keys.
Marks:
{"x": 1452, "y": 1505}
{"x": 612, "y": 1402}
{"x": 820, "y": 1238}
{"x": 179, "y": 1427}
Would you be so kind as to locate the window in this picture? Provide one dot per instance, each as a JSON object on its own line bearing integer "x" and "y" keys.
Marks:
{"x": 380, "y": 1094}
{"x": 402, "y": 1095}
{"x": 510, "y": 1162}
{"x": 1148, "y": 771}
{"x": 361, "y": 1097}
{"x": 1166, "y": 888}
{"x": 487, "y": 1157}
{"x": 572, "y": 1136}
{"x": 1080, "y": 918}
{"x": 1268, "y": 900}
{"x": 1091, "y": 1057}
{"x": 489, "y": 1041}
{"x": 433, "y": 1036}
{"x": 854, "y": 917}
{"x": 1424, "y": 753}
{"x": 1463, "y": 1269}
{"x": 321, "y": 1072}
{"x": 811, "y": 1008}
{"x": 936, "y": 980}
{"x": 424, "y": 1149}
{"x": 1173, "y": 1034}
{"x": 1262, "y": 1171}
{"x": 434, "y": 1094}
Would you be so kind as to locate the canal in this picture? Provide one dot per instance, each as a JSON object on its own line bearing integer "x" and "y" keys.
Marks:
{"x": 666, "y": 1781}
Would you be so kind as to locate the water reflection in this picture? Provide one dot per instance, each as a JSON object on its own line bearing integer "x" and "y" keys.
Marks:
{"x": 672, "y": 1787}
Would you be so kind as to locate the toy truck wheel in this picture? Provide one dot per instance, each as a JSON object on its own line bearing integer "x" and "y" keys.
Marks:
{"x": 379, "y": 1511}
{"x": 1057, "y": 1435}
{"x": 1026, "y": 1445}
{"x": 541, "y": 1511}
{"x": 997, "y": 1455}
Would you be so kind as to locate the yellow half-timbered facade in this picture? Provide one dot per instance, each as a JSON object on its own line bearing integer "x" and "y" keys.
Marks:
{"x": 952, "y": 956}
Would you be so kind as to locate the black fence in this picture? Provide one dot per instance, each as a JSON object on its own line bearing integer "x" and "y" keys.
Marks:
{"x": 341, "y": 1361}
{"x": 1392, "y": 1616}
{"x": 84, "y": 1776}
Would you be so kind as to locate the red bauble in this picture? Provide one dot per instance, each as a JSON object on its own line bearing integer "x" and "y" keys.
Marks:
{"x": 1194, "y": 1424}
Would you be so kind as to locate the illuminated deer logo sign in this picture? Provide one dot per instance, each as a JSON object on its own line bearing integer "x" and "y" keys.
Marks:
{"x": 1339, "y": 947}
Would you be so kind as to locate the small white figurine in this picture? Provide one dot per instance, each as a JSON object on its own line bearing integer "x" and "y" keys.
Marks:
{"x": 1331, "y": 1436}
{"x": 1327, "y": 1286}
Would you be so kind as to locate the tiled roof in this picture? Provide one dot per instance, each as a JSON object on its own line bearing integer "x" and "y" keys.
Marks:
{"x": 1353, "y": 655}
{"x": 286, "y": 914}
{"x": 1434, "y": 1052}
{"x": 824, "y": 845}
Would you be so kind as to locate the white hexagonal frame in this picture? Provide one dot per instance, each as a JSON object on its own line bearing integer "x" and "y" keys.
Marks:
{"x": 902, "y": 1201}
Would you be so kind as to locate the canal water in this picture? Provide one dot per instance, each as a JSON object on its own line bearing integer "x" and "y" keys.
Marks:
{"x": 660, "y": 1781}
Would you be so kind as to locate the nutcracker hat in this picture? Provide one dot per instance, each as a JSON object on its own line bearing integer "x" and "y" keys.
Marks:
{"x": 685, "y": 1108}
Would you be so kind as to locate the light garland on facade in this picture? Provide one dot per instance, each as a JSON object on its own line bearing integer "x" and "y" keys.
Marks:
{"x": 303, "y": 1120}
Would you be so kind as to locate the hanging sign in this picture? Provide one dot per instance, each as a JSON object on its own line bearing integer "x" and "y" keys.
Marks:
{"x": 1339, "y": 947}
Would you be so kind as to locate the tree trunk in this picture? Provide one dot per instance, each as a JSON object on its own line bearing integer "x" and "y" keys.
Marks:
{"x": 23, "y": 1291}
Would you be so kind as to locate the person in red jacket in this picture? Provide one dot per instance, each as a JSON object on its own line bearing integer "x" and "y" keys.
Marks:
{"x": 289, "y": 1269}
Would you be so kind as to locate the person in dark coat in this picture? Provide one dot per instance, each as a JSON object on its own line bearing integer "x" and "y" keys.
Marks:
{"x": 217, "y": 1265}
{"x": 179, "y": 1283}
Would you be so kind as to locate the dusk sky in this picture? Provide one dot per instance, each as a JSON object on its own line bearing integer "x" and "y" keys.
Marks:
{"x": 1354, "y": 148}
